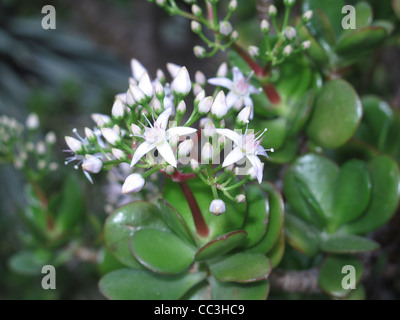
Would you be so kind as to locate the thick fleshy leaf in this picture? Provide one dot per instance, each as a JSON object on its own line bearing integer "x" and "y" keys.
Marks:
{"x": 352, "y": 192}
{"x": 121, "y": 225}
{"x": 232, "y": 219}
{"x": 175, "y": 221}
{"x": 257, "y": 215}
{"x": 308, "y": 186}
{"x": 316, "y": 51}
{"x": 334, "y": 271}
{"x": 324, "y": 12}
{"x": 29, "y": 262}
{"x": 241, "y": 267}
{"x": 129, "y": 284}
{"x": 384, "y": 174}
{"x": 299, "y": 113}
{"x": 276, "y": 134}
{"x": 239, "y": 291}
{"x": 336, "y": 115}
{"x": 106, "y": 262}
{"x": 275, "y": 255}
{"x": 161, "y": 251}
{"x": 347, "y": 244}
{"x": 221, "y": 245}
{"x": 360, "y": 40}
{"x": 286, "y": 153}
{"x": 302, "y": 236}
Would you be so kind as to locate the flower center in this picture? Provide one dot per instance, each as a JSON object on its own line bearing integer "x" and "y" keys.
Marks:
{"x": 155, "y": 135}
{"x": 249, "y": 144}
{"x": 240, "y": 87}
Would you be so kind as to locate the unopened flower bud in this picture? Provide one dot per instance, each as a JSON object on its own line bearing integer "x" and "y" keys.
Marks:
{"x": 90, "y": 135}
{"x": 265, "y": 27}
{"x": 254, "y": 51}
{"x": 181, "y": 108}
{"x": 50, "y": 138}
{"x": 217, "y": 207}
{"x": 100, "y": 119}
{"x": 156, "y": 106}
{"x": 133, "y": 183}
{"x": 225, "y": 28}
{"x": 182, "y": 85}
{"x": 74, "y": 144}
{"x": 207, "y": 153}
{"x": 305, "y": 45}
{"x": 234, "y": 35}
{"x": 169, "y": 170}
{"x": 287, "y": 51}
{"x": 111, "y": 136}
{"x": 222, "y": 70}
{"x": 137, "y": 94}
{"x": 251, "y": 173}
{"x": 92, "y": 164}
{"x": 161, "y": 3}
{"x": 205, "y": 105}
{"x": 200, "y": 78}
{"x": 185, "y": 148}
{"x": 137, "y": 69}
{"x": 32, "y": 121}
{"x": 194, "y": 164}
{"x": 136, "y": 131}
{"x": 41, "y": 148}
{"x": 118, "y": 110}
{"x": 272, "y": 11}
{"x": 244, "y": 116}
{"x": 219, "y": 108}
{"x": 196, "y": 10}
{"x": 209, "y": 129}
{"x": 118, "y": 154}
{"x": 200, "y": 96}
{"x": 199, "y": 51}
{"x": 289, "y": 3}
{"x": 232, "y": 5}
{"x": 196, "y": 27}
{"x": 290, "y": 33}
{"x": 240, "y": 198}
{"x": 146, "y": 86}
{"x": 160, "y": 92}
{"x": 307, "y": 16}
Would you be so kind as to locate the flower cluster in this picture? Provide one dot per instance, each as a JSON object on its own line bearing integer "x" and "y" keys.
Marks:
{"x": 20, "y": 145}
{"x": 151, "y": 130}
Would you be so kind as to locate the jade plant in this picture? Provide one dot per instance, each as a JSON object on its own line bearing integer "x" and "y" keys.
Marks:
{"x": 267, "y": 178}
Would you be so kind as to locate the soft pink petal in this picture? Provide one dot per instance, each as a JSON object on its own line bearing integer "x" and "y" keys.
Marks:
{"x": 230, "y": 134}
{"x": 261, "y": 151}
{"x": 166, "y": 152}
{"x": 237, "y": 74}
{"x": 221, "y": 82}
{"x": 141, "y": 151}
{"x": 253, "y": 90}
{"x": 234, "y": 156}
{"x": 258, "y": 167}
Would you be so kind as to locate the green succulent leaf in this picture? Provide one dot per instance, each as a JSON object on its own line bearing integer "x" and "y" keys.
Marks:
{"x": 384, "y": 196}
{"x": 29, "y": 262}
{"x": 106, "y": 262}
{"x": 221, "y": 245}
{"x": 333, "y": 272}
{"x": 275, "y": 255}
{"x": 336, "y": 115}
{"x": 121, "y": 225}
{"x": 161, "y": 251}
{"x": 130, "y": 284}
{"x": 257, "y": 215}
{"x": 239, "y": 291}
{"x": 302, "y": 236}
{"x": 352, "y": 192}
{"x": 348, "y": 244}
{"x": 241, "y": 267}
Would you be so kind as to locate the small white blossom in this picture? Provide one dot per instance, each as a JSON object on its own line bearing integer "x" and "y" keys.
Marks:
{"x": 92, "y": 164}
{"x": 50, "y": 138}
{"x": 157, "y": 137}
{"x": 74, "y": 145}
{"x": 305, "y": 45}
{"x": 222, "y": 70}
{"x": 118, "y": 154}
{"x": 32, "y": 121}
{"x": 225, "y": 28}
{"x": 200, "y": 78}
{"x": 199, "y": 51}
{"x": 146, "y": 86}
{"x": 138, "y": 94}
{"x": 111, "y": 135}
{"x": 137, "y": 69}
{"x": 118, "y": 109}
{"x": 207, "y": 153}
{"x": 307, "y": 16}
{"x": 265, "y": 27}
{"x": 239, "y": 88}
{"x": 101, "y": 119}
{"x": 205, "y": 105}
{"x": 219, "y": 107}
{"x": 185, "y": 148}
{"x": 290, "y": 33}
{"x": 244, "y": 115}
{"x": 287, "y": 50}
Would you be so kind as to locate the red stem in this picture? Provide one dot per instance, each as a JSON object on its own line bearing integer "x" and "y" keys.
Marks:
{"x": 199, "y": 222}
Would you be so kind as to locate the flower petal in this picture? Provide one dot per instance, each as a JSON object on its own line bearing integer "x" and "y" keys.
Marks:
{"x": 257, "y": 164}
{"x": 141, "y": 151}
{"x": 163, "y": 118}
{"x": 237, "y": 74}
{"x": 253, "y": 90}
{"x": 180, "y": 131}
{"x": 230, "y": 134}
{"x": 166, "y": 152}
{"x": 221, "y": 82}
{"x": 234, "y": 156}
{"x": 231, "y": 99}
{"x": 261, "y": 151}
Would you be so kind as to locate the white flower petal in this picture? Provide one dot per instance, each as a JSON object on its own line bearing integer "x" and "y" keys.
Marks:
{"x": 234, "y": 156}
{"x": 230, "y": 134}
{"x": 237, "y": 74}
{"x": 257, "y": 165}
{"x": 221, "y": 82}
{"x": 162, "y": 120}
{"x": 166, "y": 152}
{"x": 137, "y": 69}
{"x": 231, "y": 99}
{"x": 253, "y": 90}
{"x": 141, "y": 151}
{"x": 261, "y": 151}
{"x": 180, "y": 131}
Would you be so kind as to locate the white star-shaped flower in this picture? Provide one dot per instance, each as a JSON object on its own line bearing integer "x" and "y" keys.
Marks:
{"x": 239, "y": 88}
{"x": 158, "y": 136}
{"x": 246, "y": 146}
